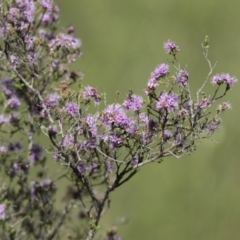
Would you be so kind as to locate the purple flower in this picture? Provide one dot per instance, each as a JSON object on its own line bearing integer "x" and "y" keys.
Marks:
{"x": 68, "y": 140}
{"x": 114, "y": 114}
{"x": 48, "y": 17}
{"x": 145, "y": 137}
{"x": 134, "y": 160}
{"x": 115, "y": 141}
{"x": 224, "y": 106}
{"x": 205, "y": 103}
{"x": 152, "y": 125}
{"x": 183, "y": 112}
{"x": 178, "y": 139}
{"x": 2, "y": 211}
{"x": 144, "y": 118}
{"x": 17, "y": 147}
{"x": 168, "y": 101}
{"x": 211, "y": 128}
{"x": 36, "y": 153}
{"x": 72, "y": 109}
{"x": 53, "y": 130}
{"x": 152, "y": 83}
{"x": 160, "y": 71}
{"x": 41, "y": 190}
{"x": 27, "y": 10}
{"x": 84, "y": 146}
{"x": 182, "y": 78}
{"x": 82, "y": 168}
{"x": 79, "y": 130}
{"x": 91, "y": 122}
{"x": 67, "y": 41}
{"x": 3, "y": 149}
{"x": 170, "y": 47}
{"x": 18, "y": 167}
{"x": 167, "y": 134}
{"x": 3, "y": 119}
{"x": 14, "y": 103}
{"x": 7, "y": 87}
{"x": 91, "y": 93}
{"x": 91, "y": 144}
{"x": 224, "y": 78}
{"x": 46, "y": 4}
{"x": 94, "y": 167}
{"x": 52, "y": 100}
{"x": 14, "y": 14}
{"x": 133, "y": 103}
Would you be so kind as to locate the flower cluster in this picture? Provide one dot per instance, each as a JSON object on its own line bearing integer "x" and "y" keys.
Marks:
{"x": 182, "y": 77}
{"x": 167, "y": 101}
{"x": 171, "y": 48}
{"x": 224, "y": 78}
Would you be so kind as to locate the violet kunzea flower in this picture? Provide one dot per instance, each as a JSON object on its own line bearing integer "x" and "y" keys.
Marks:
{"x": 82, "y": 168}
{"x": 46, "y": 4}
{"x": 91, "y": 143}
{"x": 48, "y": 17}
{"x": 212, "y": 127}
{"x": 91, "y": 122}
{"x": 72, "y": 109}
{"x": 7, "y": 87}
{"x": 115, "y": 141}
{"x": 152, "y": 125}
{"x": 204, "y": 103}
{"x": 52, "y": 100}
{"x": 183, "y": 112}
{"x": 84, "y": 146}
{"x": 167, "y": 101}
{"x": 167, "y": 134}
{"x": 94, "y": 167}
{"x": 68, "y": 140}
{"x": 3, "y": 149}
{"x": 53, "y": 130}
{"x": 144, "y": 118}
{"x": 14, "y": 102}
{"x": 182, "y": 78}
{"x": 114, "y": 114}
{"x": 36, "y": 153}
{"x": 224, "y": 106}
{"x": 3, "y": 120}
{"x": 67, "y": 41}
{"x": 152, "y": 83}
{"x": 22, "y": 13}
{"x": 160, "y": 71}
{"x": 90, "y": 93}
{"x": 170, "y": 47}
{"x": 134, "y": 160}
{"x": 2, "y": 211}
{"x": 50, "y": 14}
{"x": 41, "y": 190}
{"x": 224, "y": 78}
{"x": 15, "y": 147}
{"x": 178, "y": 139}
{"x": 133, "y": 103}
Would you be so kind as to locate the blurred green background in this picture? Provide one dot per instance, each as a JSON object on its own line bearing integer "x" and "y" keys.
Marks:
{"x": 198, "y": 196}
